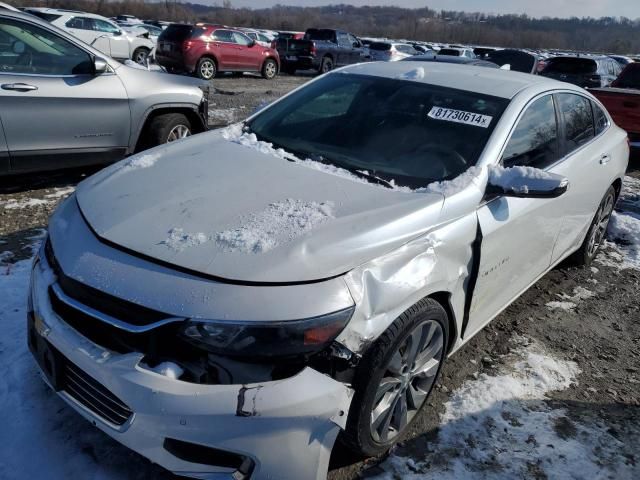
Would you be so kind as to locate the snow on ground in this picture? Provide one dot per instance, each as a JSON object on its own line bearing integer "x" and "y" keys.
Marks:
{"x": 42, "y": 438}
{"x": 569, "y": 302}
{"x": 500, "y": 427}
{"x": 225, "y": 115}
{"x": 624, "y": 230}
{"x": 49, "y": 199}
{"x": 178, "y": 240}
{"x": 279, "y": 223}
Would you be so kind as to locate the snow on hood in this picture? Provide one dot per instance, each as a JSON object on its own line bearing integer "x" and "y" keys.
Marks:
{"x": 234, "y": 211}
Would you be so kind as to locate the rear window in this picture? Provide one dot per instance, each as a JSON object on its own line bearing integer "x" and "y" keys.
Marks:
{"x": 321, "y": 35}
{"x": 383, "y": 47}
{"x": 519, "y": 61}
{"x": 49, "y": 17}
{"x": 571, "y": 66}
{"x": 179, "y": 33}
{"x": 629, "y": 78}
{"x": 449, "y": 51}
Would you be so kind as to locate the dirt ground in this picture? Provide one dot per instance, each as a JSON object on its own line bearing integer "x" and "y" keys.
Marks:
{"x": 602, "y": 333}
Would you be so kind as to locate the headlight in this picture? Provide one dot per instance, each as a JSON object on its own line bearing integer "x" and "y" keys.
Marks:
{"x": 268, "y": 339}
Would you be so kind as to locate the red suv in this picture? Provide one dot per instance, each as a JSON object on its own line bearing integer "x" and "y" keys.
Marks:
{"x": 207, "y": 50}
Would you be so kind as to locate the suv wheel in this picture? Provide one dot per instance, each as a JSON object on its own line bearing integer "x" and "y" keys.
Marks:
{"x": 326, "y": 65}
{"x": 206, "y": 68}
{"x": 395, "y": 378}
{"x": 140, "y": 56}
{"x": 167, "y": 128}
{"x": 269, "y": 69}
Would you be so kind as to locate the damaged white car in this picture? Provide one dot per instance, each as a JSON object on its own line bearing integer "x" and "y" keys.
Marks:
{"x": 228, "y": 304}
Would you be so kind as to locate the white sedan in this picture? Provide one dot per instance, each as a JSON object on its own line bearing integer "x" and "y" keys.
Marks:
{"x": 239, "y": 298}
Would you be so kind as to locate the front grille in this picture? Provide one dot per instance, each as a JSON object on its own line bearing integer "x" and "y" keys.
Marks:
{"x": 88, "y": 392}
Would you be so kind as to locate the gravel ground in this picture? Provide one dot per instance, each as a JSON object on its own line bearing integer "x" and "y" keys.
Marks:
{"x": 601, "y": 334}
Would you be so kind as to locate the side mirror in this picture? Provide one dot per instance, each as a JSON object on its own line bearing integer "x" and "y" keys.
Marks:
{"x": 525, "y": 182}
{"x": 252, "y": 44}
{"x": 99, "y": 66}
{"x": 356, "y": 44}
{"x": 117, "y": 33}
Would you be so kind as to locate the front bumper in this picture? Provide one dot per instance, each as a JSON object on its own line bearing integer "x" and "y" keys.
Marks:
{"x": 285, "y": 428}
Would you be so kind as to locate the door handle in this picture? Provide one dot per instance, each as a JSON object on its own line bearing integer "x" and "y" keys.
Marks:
{"x": 19, "y": 87}
{"x": 605, "y": 159}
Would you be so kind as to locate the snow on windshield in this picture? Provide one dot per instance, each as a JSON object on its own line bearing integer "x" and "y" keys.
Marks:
{"x": 279, "y": 223}
{"x": 178, "y": 240}
{"x": 236, "y": 134}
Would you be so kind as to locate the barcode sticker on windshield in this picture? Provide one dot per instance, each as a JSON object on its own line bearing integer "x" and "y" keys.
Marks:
{"x": 460, "y": 116}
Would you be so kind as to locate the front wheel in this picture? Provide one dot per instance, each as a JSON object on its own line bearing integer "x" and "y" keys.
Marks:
{"x": 597, "y": 231}
{"x": 140, "y": 56}
{"x": 269, "y": 69}
{"x": 396, "y": 377}
{"x": 168, "y": 128}
{"x": 206, "y": 68}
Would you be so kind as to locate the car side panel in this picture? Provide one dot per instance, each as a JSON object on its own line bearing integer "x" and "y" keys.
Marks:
{"x": 68, "y": 119}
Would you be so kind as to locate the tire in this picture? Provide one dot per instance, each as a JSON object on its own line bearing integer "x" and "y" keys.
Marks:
{"x": 140, "y": 55}
{"x": 326, "y": 65}
{"x": 269, "y": 69}
{"x": 167, "y": 128}
{"x": 206, "y": 69}
{"x": 384, "y": 377}
{"x": 587, "y": 252}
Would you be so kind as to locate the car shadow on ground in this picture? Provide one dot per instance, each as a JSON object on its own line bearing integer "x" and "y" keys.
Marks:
{"x": 35, "y": 181}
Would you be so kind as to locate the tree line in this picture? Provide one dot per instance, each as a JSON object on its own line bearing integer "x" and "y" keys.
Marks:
{"x": 608, "y": 34}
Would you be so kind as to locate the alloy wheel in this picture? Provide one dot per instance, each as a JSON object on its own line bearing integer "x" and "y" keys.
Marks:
{"x": 270, "y": 69}
{"x": 408, "y": 379}
{"x": 178, "y": 132}
{"x": 207, "y": 69}
{"x": 601, "y": 223}
{"x": 141, "y": 57}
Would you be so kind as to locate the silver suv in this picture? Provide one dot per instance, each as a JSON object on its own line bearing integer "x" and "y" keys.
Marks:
{"x": 65, "y": 104}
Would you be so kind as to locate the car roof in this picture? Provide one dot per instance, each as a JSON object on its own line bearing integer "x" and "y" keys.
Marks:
{"x": 483, "y": 80}
{"x": 65, "y": 12}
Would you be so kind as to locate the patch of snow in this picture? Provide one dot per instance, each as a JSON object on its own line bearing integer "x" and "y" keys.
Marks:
{"x": 504, "y": 177}
{"x": 451, "y": 187}
{"x": 224, "y": 115}
{"x": 500, "y": 428}
{"x": 14, "y": 204}
{"x": 566, "y": 306}
{"x": 594, "y": 270}
{"x": 569, "y": 302}
{"x": 415, "y": 74}
{"x": 60, "y": 192}
{"x": 178, "y": 240}
{"x": 279, "y": 223}
{"x": 144, "y": 160}
{"x": 624, "y": 229}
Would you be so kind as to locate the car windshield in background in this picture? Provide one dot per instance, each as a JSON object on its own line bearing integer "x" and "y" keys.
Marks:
{"x": 320, "y": 35}
{"x": 571, "y": 66}
{"x": 409, "y": 132}
{"x": 383, "y": 47}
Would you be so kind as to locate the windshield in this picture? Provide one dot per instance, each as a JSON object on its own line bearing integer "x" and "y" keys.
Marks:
{"x": 409, "y": 132}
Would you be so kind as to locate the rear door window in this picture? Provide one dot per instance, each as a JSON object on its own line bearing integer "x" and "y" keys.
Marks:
{"x": 534, "y": 142}
{"x": 600, "y": 119}
{"x": 223, "y": 36}
{"x": 80, "y": 23}
{"x": 578, "y": 120}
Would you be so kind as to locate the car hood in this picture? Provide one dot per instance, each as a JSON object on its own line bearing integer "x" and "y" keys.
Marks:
{"x": 230, "y": 211}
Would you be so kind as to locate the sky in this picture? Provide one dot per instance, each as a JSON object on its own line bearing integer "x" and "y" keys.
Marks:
{"x": 536, "y": 8}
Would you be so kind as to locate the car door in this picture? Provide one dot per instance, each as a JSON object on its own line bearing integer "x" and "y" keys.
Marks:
{"x": 584, "y": 163}
{"x": 343, "y": 52}
{"x": 55, "y": 110}
{"x": 518, "y": 234}
{"x": 248, "y": 52}
{"x": 225, "y": 50}
{"x": 356, "y": 49}
{"x": 4, "y": 151}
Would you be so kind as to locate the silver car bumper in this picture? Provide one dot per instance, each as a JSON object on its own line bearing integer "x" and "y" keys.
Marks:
{"x": 280, "y": 429}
